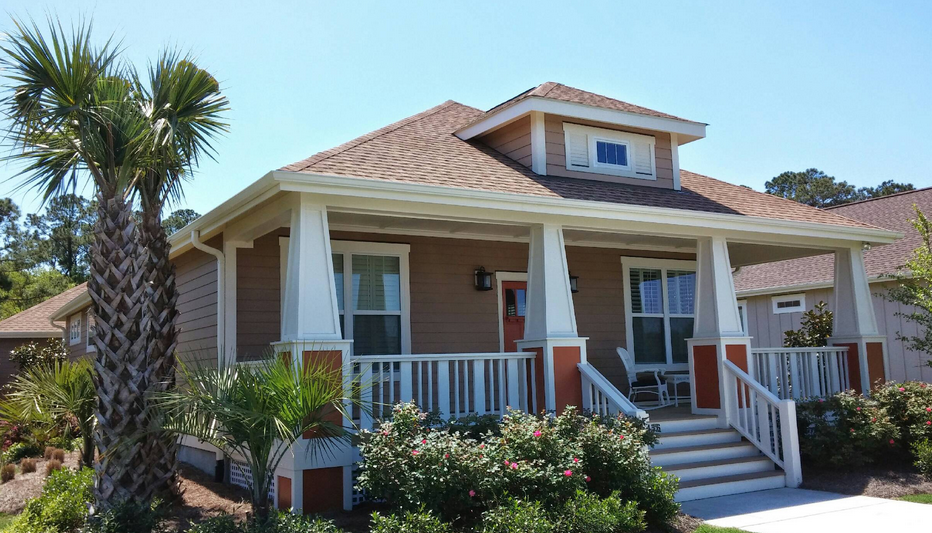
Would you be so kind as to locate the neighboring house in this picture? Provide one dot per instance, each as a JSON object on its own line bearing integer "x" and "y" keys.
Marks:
{"x": 472, "y": 260}
{"x": 773, "y": 296}
{"x": 33, "y": 325}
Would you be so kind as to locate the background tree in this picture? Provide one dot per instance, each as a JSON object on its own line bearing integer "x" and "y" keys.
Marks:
{"x": 816, "y": 188}
{"x": 64, "y": 233}
{"x": 179, "y": 219}
{"x": 915, "y": 289}
{"x": 27, "y": 288}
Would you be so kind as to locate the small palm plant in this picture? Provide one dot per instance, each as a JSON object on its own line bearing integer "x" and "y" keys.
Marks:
{"x": 53, "y": 393}
{"x": 259, "y": 410}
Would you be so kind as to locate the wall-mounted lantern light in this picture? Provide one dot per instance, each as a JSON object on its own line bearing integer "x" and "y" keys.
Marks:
{"x": 483, "y": 280}
{"x": 574, "y": 284}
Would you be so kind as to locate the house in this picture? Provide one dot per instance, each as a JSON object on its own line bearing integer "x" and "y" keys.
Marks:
{"x": 473, "y": 260}
{"x": 33, "y": 325}
{"x": 774, "y": 296}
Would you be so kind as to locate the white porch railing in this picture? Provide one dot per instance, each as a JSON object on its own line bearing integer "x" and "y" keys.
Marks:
{"x": 802, "y": 372}
{"x": 765, "y": 420}
{"x": 453, "y": 384}
{"x": 601, "y": 397}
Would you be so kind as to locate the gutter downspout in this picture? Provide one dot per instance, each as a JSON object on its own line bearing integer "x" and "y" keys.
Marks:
{"x": 221, "y": 305}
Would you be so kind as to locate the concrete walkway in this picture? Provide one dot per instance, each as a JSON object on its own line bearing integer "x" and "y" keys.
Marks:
{"x": 805, "y": 511}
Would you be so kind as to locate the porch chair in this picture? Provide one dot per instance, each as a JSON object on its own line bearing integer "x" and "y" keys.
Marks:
{"x": 639, "y": 381}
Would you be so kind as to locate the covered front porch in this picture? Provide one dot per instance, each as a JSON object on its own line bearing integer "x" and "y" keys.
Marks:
{"x": 472, "y": 311}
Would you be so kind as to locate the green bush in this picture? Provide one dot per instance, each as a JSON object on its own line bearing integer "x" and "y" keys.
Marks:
{"x": 62, "y": 507}
{"x": 544, "y": 459}
{"x": 909, "y": 406}
{"x": 922, "y": 452}
{"x": 277, "y": 522}
{"x": 128, "y": 517}
{"x": 34, "y": 354}
{"x": 409, "y": 522}
{"x": 844, "y": 430}
{"x": 588, "y": 513}
{"x": 517, "y": 516}
{"x": 21, "y": 450}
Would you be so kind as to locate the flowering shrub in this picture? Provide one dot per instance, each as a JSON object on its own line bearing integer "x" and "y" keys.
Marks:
{"x": 922, "y": 451}
{"x": 534, "y": 458}
{"x": 909, "y": 405}
{"x": 844, "y": 430}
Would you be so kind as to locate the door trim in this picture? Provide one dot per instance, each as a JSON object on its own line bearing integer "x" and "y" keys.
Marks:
{"x": 500, "y": 277}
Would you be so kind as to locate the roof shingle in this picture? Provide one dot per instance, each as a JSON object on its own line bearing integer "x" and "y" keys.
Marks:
{"x": 422, "y": 149}
{"x": 888, "y": 212}
{"x": 36, "y": 319}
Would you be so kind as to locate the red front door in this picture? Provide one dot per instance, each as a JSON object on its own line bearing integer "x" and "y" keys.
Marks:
{"x": 514, "y": 298}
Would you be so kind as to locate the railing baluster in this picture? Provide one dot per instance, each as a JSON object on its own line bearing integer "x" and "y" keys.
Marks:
{"x": 443, "y": 388}
{"x": 534, "y": 407}
{"x": 365, "y": 399}
{"x": 513, "y": 399}
{"x": 478, "y": 377}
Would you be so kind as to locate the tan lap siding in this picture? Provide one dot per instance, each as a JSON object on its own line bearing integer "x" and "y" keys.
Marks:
{"x": 258, "y": 296}
{"x": 513, "y": 140}
{"x": 196, "y": 274}
{"x": 556, "y": 153}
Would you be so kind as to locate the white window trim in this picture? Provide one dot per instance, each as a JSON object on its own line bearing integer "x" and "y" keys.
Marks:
{"x": 402, "y": 251}
{"x": 74, "y": 323}
{"x": 743, "y": 304}
{"x": 662, "y": 264}
{"x": 89, "y": 322}
{"x": 614, "y": 136}
{"x": 503, "y": 277}
{"x": 788, "y": 298}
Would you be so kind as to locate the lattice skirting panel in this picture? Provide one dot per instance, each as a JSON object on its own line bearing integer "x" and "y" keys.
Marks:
{"x": 241, "y": 476}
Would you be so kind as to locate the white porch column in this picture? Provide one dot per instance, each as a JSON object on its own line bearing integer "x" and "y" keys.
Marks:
{"x": 717, "y": 334}
{"x": 311, "y": 330}
{"x": 550, "y": 321}
{"x": 855, "y": 325}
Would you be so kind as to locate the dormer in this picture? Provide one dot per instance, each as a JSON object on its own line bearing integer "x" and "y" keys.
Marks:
{"x": 557, "y": 130}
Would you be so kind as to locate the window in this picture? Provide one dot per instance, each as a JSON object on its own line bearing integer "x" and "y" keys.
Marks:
{"x": 660, "y": 302}
{"x": 790, "y": 303}
{"x": 612, "y": 152}
{"x": 74, "y": 330}
{"x": 743, "y": 315}
{"x": 91, "y": 332}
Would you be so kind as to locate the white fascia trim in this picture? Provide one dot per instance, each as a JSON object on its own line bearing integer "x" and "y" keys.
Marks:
{"x": 452, "y": 196}
{"x": 688, "y": 131}
{"x": 79, "y": 302}
{"x": 802, "y": 287}
{"x": 30, "y": 334}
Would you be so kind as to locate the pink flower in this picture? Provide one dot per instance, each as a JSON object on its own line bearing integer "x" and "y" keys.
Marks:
{"x": 929, "y": 422}
{"x": 568, "y": 473}
{"x": 588, "y": 479}
{"x": 472, "y": 494}
{"x": 414, "y": 452}
{"x": 929, "y": 409}
{"x": 621, "y": 437}
{"x": 902, "y": 389}
{"x": 575, "y": 459}
{"x": 852, "y": 430}
{"x": 506, "y": 462}
{"x": 873, "y": 419}
{"x": 424, "y": 441}
{"x": 858, "y": 409}
{"x": 446, "y": 456}
{"x": 514, "y": 466}
{"x": 922, "y": 385}
{"x": 537, "y": 433}
{"x": 821, "y": 400}
{"x": 481, "y": 446}
{"x": 891, "y": 441}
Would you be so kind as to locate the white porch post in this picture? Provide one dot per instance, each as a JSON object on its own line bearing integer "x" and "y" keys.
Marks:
{"x": 855, "y": 325}
{"x": 550, "y": 321}
{"x": 717, "y": 332}
{"x": 311, "y": 329}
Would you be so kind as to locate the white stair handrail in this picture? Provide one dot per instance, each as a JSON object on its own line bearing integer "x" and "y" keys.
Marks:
{"x": 764, "y": 419}
{"x": 601, "y": 397}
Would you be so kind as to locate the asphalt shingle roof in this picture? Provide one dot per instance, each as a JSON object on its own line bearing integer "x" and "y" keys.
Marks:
{"x": 36, "y": 319}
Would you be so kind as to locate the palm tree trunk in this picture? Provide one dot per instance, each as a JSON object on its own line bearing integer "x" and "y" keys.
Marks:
{"x": 117, "y": 291}
{"x": 159, "y": 318}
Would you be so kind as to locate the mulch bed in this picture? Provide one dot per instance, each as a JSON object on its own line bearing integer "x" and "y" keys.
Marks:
{"x": 14, "y": 493}
{"x": 882, "y": 481}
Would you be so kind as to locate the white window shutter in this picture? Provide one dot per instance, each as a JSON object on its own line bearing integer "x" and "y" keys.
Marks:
{"x": 578, "y": 150}
{"x": 643, "y": 158}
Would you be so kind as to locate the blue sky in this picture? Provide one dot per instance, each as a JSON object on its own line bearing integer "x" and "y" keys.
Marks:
{"x": 841, "y": 86}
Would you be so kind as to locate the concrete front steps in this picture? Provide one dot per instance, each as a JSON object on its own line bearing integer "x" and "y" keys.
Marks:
{"x": 712, "y": 461}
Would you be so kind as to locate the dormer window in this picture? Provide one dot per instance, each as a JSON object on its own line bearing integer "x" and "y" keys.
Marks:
{"x": 604, "y": 151}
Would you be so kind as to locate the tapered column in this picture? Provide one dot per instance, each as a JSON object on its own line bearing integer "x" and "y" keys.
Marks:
{"x": 311, "y": 331}
{"x": 550, "y": 321}
{"x": 855, "y": 325}
{"x": 717, "y": 332}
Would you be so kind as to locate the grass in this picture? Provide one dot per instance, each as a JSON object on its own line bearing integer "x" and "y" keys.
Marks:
{"x": 706, "y": 528}
{"x": 917, "y": 498}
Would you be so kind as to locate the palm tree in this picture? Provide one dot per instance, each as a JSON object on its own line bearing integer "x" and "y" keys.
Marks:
{"x": 259, "y": 410}
{"x": 52, "y": 394}
{"x": 182, "y": 105}
{"x": 76, "y": 112}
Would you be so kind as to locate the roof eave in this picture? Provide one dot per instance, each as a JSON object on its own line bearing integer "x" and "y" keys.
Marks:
{"x": 76, "y": 304}
{"x": 30, "y": 334}
{"x": 686, "y": 131}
